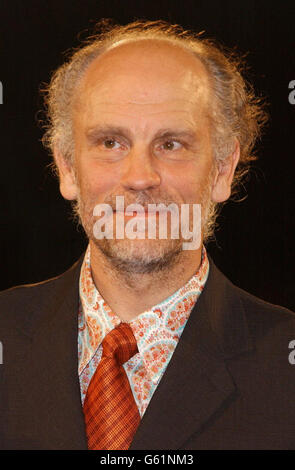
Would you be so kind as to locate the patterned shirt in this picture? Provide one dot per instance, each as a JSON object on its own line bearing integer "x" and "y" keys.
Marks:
{"x": 157, "y": 332}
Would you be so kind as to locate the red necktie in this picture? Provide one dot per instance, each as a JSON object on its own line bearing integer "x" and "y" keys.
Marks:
{"x": 111, "y": 414}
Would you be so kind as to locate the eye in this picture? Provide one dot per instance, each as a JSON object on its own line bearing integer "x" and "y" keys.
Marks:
{"x": 111, "y": 144}
{"x": 171, "y": 145}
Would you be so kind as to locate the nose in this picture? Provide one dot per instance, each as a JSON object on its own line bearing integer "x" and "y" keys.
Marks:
{"x": 140, "y": 172}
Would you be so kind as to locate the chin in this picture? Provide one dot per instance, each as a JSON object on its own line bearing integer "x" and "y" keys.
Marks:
{"x": 140, "y": 256}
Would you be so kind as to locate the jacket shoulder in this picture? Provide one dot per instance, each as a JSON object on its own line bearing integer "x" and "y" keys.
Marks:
{"x": 21, "y": 304}
{"x": 267, "y": 323}
{"x": 273, "y": 325}
{"x": 259, "y": 307}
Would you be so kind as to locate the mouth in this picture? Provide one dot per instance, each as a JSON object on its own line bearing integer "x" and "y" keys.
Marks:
{"x": 144, "y": 213}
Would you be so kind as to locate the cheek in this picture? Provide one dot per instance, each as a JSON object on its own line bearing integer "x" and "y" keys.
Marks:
{"x": 95, "y": 182}
{"x": 190, "y": 182}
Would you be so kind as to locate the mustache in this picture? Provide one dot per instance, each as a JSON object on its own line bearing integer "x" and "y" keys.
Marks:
{"x": 141, "y": 198}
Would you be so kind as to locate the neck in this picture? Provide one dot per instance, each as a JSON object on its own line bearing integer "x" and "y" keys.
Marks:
{"x": 130, "y": 293}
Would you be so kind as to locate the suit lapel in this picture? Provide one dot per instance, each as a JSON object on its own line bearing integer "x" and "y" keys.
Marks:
{"x": 196, "y": 384}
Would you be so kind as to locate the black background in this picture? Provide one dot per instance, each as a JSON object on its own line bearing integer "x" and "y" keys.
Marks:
{"x": 255, "y": 243}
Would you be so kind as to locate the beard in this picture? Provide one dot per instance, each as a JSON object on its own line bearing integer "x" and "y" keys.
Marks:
{"x": 139, "y": 256}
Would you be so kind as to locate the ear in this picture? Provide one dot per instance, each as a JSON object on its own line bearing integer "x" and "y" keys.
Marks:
{"x": 225, "y": 170}
{"x": 67, "y": 180}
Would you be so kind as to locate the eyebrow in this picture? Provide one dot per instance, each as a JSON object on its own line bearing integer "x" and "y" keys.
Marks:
{"x": 95, "y": 133}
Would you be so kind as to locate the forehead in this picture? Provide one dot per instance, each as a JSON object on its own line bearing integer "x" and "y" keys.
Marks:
{"x": 144, "y": 77}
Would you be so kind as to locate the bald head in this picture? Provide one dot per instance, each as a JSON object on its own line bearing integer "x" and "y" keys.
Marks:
{"x": 145, "y": 72}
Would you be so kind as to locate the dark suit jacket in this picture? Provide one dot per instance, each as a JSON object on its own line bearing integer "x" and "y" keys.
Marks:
{"x": 229, "y": 384}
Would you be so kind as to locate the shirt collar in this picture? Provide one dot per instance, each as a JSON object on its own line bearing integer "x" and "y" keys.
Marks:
{"x": 156, "y": 330}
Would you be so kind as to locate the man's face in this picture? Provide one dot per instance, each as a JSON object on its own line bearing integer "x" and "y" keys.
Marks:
{"x": 142, "y": 130}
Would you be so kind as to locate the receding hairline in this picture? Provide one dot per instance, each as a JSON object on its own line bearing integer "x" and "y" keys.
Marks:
{"x": 156, "y": 39}
{"x": 153, "y": 42}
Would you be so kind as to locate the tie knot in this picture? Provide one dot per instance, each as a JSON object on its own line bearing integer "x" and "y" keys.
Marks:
{"x": 120, "y": 344}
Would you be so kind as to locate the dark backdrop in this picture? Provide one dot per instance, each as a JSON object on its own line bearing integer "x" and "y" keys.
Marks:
{"x": 254, "y": 245}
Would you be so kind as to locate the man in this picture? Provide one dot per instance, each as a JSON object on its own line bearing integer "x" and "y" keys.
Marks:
{"x": 143, "y": 344}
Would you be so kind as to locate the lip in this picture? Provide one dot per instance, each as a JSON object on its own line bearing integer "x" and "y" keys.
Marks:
{"x": 139, "y": 214}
